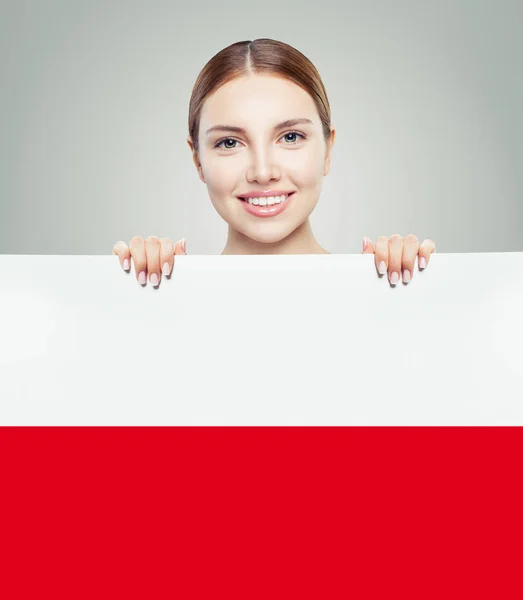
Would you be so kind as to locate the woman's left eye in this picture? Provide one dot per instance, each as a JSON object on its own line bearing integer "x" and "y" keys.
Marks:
{"x": 293, "y": 133}
{"x": 219, "y": 144}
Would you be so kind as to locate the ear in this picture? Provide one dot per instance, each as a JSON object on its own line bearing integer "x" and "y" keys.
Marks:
{"x": 327, "y": 166}
{"x": 195, "y": 159}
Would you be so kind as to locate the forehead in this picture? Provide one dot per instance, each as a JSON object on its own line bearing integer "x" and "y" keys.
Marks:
{"x": 262, "y": 97}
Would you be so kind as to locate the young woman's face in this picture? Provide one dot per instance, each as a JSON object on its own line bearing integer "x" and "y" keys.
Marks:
{"x": 265, "y": 156}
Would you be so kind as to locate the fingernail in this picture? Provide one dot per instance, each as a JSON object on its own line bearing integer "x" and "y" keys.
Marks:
{"x": 141, "y": 278}
{"x": 406, "y": 276}
{"x": 166, "y": 268}
{"x": 422, "y": 262}
{"x": 394, "y": 277}
{"x": 364, "y": 244}
{"x": 126, "y": 264}
{"x": 184, "y": 245}
{"x": 154, "y": 279}
{"x": 382, "y": 268}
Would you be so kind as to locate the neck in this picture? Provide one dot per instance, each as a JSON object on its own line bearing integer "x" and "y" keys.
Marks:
{"x": 300, "y": 241}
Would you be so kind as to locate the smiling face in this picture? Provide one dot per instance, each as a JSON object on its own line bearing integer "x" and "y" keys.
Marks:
{"x": 265, "y": 155}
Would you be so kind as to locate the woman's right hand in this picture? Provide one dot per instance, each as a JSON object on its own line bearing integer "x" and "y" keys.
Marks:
{"x": 148, "y": 255}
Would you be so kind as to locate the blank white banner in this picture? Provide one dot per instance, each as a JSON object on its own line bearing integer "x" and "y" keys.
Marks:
{"x": 261, "y": 340}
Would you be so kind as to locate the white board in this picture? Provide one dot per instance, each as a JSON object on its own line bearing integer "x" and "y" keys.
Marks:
{"x": 261, "y": 340}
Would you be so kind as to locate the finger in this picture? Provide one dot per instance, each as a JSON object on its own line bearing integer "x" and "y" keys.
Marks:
{"x": 181, "y": 247}
{"x": 367, "y": 246}
{"x": 152, "y": 252}
{"x": 410, "y": 251}
{"x": 166, "y": 255}
{"x": 137, "y": 247}
{"x": 124, "y": 255}
{"x": 425, "y": 250}
{"x": 381, "y": 257}
{"x": 395, "y": 258}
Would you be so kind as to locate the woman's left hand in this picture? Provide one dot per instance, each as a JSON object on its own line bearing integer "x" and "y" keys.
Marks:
{"x": 397, "y": 255}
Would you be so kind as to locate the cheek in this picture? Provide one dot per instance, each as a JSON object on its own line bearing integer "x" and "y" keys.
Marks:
{"x": 306, "y": 166}
{"x": 221, "y": 176}
{"x": 307, "y": 173}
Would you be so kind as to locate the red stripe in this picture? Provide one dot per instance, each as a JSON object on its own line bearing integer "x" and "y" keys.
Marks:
{"x": 261, "y": 512}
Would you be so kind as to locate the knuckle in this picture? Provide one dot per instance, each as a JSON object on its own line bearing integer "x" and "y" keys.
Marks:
{"x": 137, "y": 239}
{"x": 152, "y": 239}
{"x": 167, "y": 244}
{"x": 395, "y": 239}
{"x": 382, "y": 238}
{"x": 428, "y": 246}
{"x": 411, "y": 239}
{"x": 119, "y": 247}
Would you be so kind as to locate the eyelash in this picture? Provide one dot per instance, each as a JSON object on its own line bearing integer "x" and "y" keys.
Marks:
{"x": 218, "y": 144}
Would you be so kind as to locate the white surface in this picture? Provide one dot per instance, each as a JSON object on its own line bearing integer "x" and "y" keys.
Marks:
{"x": 261, "y": 340}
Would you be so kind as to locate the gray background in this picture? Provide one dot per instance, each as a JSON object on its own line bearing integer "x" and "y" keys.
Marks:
{"x": 426, "y": 98}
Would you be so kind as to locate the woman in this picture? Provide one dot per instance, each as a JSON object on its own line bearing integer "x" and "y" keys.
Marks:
{"x": 261, "y": 138}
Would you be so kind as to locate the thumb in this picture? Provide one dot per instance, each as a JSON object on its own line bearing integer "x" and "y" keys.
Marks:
{"x": 367, "y": 246}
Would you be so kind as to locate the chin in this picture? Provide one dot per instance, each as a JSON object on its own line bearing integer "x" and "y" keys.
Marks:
{"x": 269, "y": 233}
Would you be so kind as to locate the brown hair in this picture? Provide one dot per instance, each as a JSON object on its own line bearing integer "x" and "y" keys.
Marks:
{"x": 258, "y": 56}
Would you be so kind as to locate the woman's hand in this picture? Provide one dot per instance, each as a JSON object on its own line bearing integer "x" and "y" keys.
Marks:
{"x": 148, "y": 255}
{"x": 397, "y": 255}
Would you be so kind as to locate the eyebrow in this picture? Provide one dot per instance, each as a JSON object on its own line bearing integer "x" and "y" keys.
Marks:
{"x": 287, "y": 123}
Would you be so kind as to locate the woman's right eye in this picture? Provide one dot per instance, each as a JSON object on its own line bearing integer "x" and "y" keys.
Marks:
{"x": 219, "y": 144}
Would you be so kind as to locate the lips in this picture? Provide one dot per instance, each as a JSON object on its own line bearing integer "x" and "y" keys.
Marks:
{"x": 270, "y": 210}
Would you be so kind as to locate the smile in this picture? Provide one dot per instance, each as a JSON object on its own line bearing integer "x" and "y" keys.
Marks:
{"x": 266, "y": 207}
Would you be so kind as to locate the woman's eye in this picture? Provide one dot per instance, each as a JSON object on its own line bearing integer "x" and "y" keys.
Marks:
{"x": 219, "y": 144}
{"x": 291, "y": 133}
{"x": 294, "y": 133}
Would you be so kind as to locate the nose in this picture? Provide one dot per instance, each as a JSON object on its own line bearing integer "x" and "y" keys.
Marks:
{"x": 262, "y": 169}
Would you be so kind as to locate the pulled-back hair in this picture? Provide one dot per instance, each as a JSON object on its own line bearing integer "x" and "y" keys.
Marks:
{"x": 260, "y": 56}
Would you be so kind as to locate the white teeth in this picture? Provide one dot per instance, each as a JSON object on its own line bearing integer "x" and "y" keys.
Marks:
{"x": 264, "y": 201}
